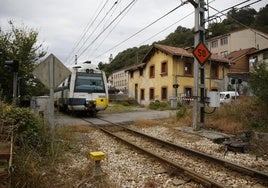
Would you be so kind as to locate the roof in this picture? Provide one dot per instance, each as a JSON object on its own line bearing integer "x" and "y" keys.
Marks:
{"x": 258, "y": 51}
{"x": 236, "y": 55}
{"x": 135, "y": 67}
{"x": 239, "y": 30}
{"x": 175, "y": 51}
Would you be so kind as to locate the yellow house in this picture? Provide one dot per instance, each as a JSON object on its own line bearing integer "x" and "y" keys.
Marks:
{"x": 167, "y": 72}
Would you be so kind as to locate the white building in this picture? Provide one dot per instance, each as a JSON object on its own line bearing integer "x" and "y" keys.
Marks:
{"x": 237, "y": 40}
{"x": 119, "y": 80}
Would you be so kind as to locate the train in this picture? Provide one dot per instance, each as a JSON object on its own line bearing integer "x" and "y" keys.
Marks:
{"x": 85, "y": 90}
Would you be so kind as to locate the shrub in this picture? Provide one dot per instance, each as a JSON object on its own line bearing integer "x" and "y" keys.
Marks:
{"x": 27, "y": 127}
{"x": 159, "y": 105}
{"x": 180, "y": 111}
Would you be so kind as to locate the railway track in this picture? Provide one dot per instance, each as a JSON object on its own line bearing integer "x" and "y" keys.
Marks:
{"x": 200, "y": 167}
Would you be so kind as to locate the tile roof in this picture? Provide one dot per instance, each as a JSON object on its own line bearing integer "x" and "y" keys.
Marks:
{"x": 235, "y": 55}
{"x": 175, "y": 51}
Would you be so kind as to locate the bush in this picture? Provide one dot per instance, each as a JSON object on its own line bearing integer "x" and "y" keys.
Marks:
{"x": 180, "y": 111}
{"x": 27, "y": 127}
{"x": 159, "y": 105}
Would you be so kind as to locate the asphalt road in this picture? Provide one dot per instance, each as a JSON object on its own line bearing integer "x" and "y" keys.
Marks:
{"x": 63, "y": 119}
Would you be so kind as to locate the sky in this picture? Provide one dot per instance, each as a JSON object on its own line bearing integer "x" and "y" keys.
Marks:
{"x": 95, "y": 30}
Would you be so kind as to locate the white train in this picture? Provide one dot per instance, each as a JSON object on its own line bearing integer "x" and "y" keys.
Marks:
{"x": 85, "y": 90}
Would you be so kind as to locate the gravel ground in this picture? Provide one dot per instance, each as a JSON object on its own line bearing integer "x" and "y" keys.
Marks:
{"x": 127, "y": 167}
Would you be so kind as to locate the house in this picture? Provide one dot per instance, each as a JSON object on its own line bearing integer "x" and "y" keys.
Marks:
{"x": 260, "y": 56}
{"x": 119, "y": 80}
{"x": 242, "y": 64}
{"x": 168, "y": 71}
{"x": 247, "y": 38}
{"x": 239, "y": 59}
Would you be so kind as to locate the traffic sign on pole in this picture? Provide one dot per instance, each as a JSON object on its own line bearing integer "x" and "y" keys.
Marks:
{"x": 201, "y": 53}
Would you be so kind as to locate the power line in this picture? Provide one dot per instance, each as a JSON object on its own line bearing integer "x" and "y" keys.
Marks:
{"x": 168, "y": 27}
{"x": 232, "y": 7}
{"x": 86, "y": 29}
{"x": 183, "y": 3}
{"x": 104, "y": 38}
{"x": 101, "y": 21}
{"x": 107, "y": 26}
{"x": 242, "y": 23}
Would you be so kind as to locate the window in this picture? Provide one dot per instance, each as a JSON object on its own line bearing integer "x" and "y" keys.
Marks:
{"x": 131, "y": 74}
{"x": 265, "y": 55}
{"x": 152, "y": 71}
{"x": 164, "y": 69}
{"x": 141, "y": 72}
{"x": 224, "y": 54}
{"x": 188, "y": 92}
{"x": 151, "y": 93}
{"x": 142, "y": 94}
{"x": 188, "y": 68}
{"x": 224, "y": 41}
{"x": 89, "y": 83}
{"x": 164, "y": 93}
{"x": 214, "y": 71}
{"x": 214, "y": 44}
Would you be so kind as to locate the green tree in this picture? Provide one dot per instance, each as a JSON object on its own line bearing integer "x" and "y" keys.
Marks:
{"x": 182, "y": 37}
{"x": 246, "y": 16}
{"x": 258, "y": 82}
{"x": 261, "y": 22}
{"x": 20, "y": 43}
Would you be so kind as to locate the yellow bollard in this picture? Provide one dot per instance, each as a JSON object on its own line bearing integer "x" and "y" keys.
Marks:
{"x": 97, "y": 156}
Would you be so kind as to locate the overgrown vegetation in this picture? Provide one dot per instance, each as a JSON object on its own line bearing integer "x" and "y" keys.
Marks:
{"x": 20, "y": 43}
{"x": 35, "y": 163}
{"x": 159, "y": 105}
{"x": 246, "y": 115}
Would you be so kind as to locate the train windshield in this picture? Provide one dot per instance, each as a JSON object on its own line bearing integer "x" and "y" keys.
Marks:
{"x": 90, "y": 83}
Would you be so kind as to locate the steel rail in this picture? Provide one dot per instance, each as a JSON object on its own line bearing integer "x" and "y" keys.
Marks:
{"x": 193, "y": 175}
{"x": 239, "y": 168}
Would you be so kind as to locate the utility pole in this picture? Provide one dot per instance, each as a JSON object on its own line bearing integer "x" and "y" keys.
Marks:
{"x": 199, "y": 38}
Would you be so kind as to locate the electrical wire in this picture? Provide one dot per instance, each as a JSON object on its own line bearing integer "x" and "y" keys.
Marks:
{"x": 167, "y": 27}
{"x": 183, "y": 3}
{"x": 106, "y": 36}
{"x": 107, "y": 27}
{"x": 101, "y": 21}
{"x": 221, "y": 12}
{"x": 242, "y": 23}
{"x": 86, "y": 30}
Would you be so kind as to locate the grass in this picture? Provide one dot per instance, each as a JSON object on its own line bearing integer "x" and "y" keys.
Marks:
{"x": 118, "y": 107}
{"x": 33, "y": 169}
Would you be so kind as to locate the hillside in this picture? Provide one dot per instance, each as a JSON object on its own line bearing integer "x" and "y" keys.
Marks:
{"x": 184, "y": 37}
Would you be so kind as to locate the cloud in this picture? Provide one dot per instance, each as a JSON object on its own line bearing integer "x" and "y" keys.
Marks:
{"x": 61, "y": 23}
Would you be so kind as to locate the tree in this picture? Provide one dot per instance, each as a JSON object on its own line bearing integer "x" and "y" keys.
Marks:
{"x": 20, "y": 44}
{"x": 258, "y": 82}
{"x": 261, "y": 22}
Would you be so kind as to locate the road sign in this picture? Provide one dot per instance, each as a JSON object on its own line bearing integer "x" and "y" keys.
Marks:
{"x": 42, "y": 71}
{"x": 201, "y": 53}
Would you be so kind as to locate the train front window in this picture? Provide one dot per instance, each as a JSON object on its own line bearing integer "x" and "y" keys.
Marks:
{"x": 89, "y": 83}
